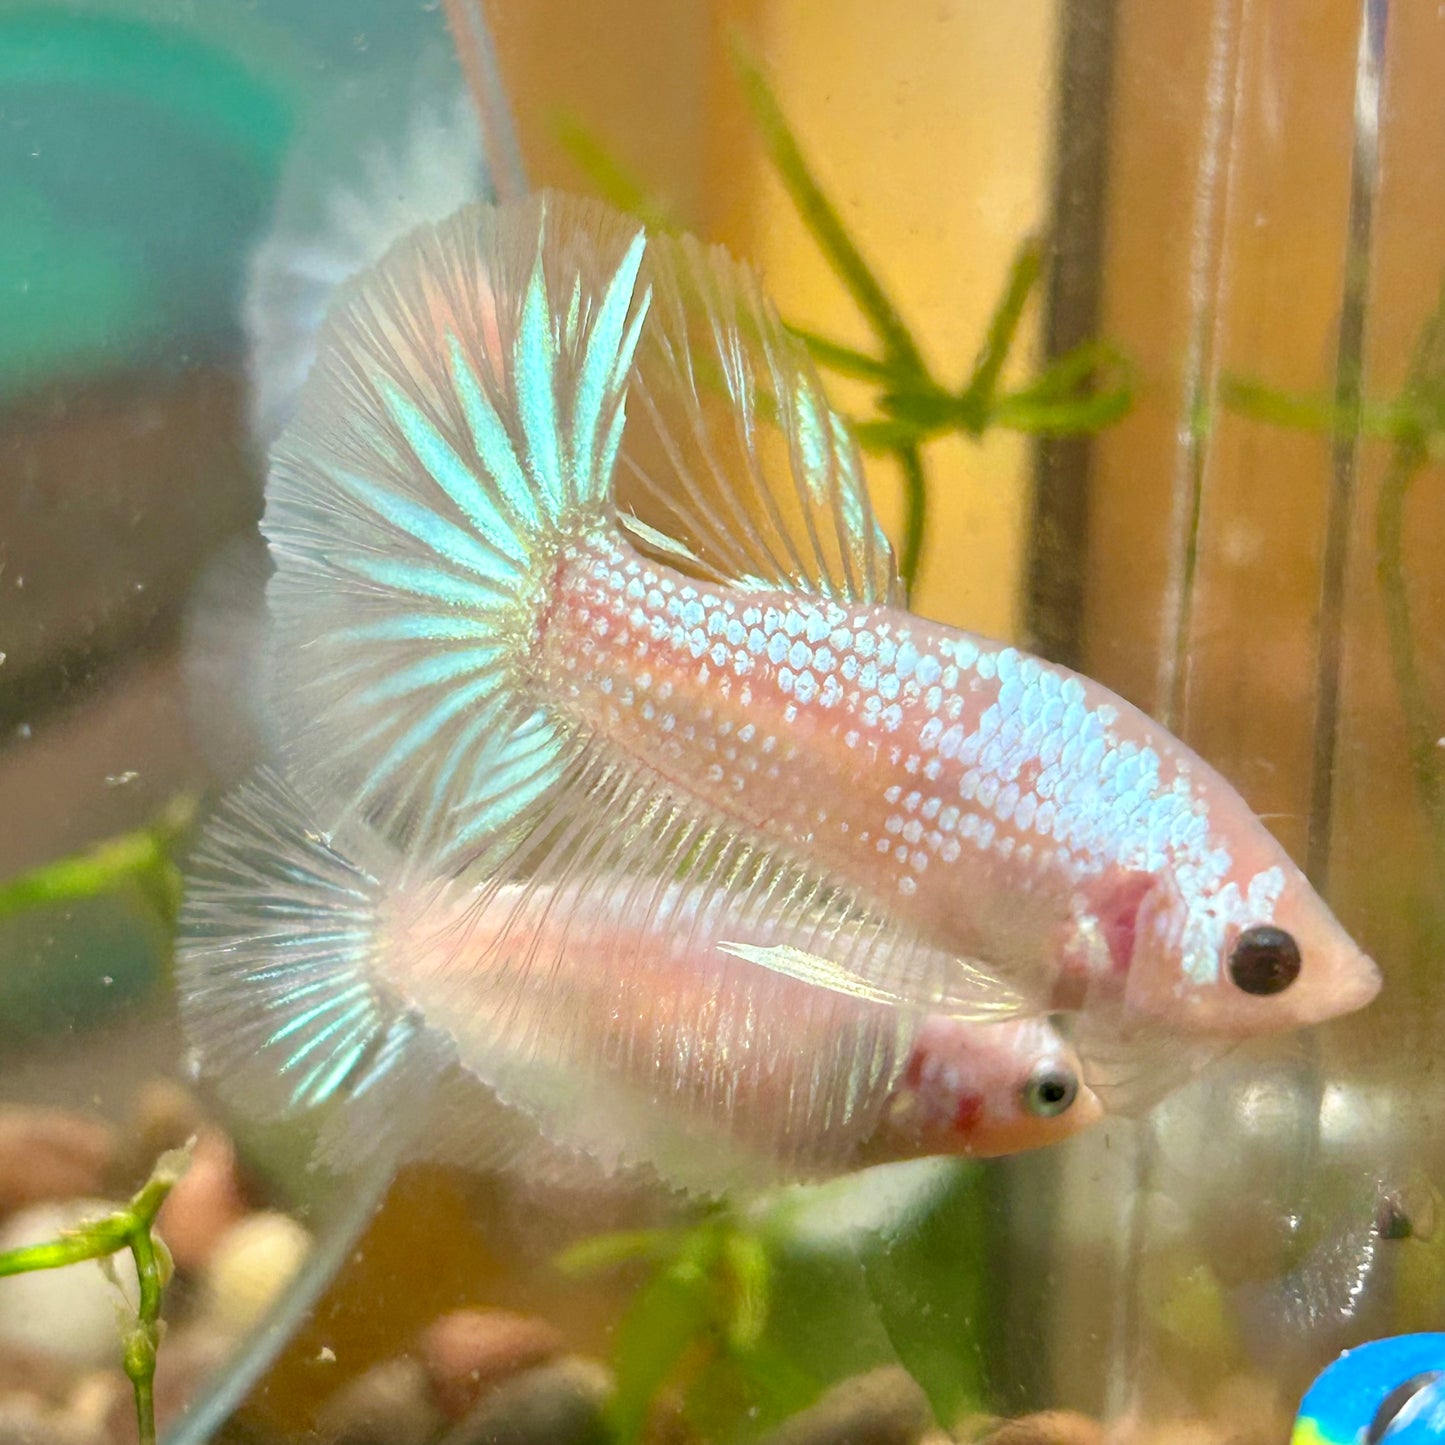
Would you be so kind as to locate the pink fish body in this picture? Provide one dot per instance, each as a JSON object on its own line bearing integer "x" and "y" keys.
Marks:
{"x": 1013, "y": 811}
{"x": 576, "y": 576}
{"x": 611, "y": 1021}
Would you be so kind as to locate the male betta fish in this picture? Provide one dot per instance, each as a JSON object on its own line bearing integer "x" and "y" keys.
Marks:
{"x": 576, "y": 582}
{"x": 609, "y": 1024}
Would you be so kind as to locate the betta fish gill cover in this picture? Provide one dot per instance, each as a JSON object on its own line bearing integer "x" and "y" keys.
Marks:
{"x": 722, "y": 722}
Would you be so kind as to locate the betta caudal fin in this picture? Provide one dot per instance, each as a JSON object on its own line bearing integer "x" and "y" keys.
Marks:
{"x": 464, "y": 425}
{"x": 275, "y": 975}
{"x": 363, "y": 174}
{"x": 459, "y": 428}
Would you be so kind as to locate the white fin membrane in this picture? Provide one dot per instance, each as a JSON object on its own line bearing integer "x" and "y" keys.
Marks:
{"x": 733, "y": 460}
{"x": 1132, "y": 1064}
{"x": 359, "y": 179}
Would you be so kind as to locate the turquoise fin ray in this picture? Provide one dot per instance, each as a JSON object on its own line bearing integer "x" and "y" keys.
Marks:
{"x": 456, "y": 431}
{"x": 280, "y": 998}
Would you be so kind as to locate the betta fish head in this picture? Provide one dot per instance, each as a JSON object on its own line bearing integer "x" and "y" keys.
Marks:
{"x": 985, "y": 1089}
{"x": 1237, "y": 943}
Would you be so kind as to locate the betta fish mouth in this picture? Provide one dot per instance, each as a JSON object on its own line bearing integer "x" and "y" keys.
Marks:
{"x": 1347, "y": 983}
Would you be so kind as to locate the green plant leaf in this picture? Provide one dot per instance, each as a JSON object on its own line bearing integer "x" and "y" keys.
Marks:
{"x": 821, "y": 217}
{"x": 672, "y": 1315}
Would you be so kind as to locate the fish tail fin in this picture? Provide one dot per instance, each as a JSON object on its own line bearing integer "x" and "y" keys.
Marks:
{"x": 373, "y": 163}
{"x": 458, "y": 431}
{"x": 280, "y": 994}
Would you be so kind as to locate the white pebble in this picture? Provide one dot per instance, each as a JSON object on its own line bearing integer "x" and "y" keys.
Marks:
{"x": 253, "y": 1262}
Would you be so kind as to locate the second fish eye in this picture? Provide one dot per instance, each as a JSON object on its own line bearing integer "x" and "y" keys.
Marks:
{"x": 1050, "y": 1090}
{"x": 1264, "y": 960}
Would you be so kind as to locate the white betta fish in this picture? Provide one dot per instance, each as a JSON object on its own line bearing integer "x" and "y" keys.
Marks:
{"x": 576, "y": 581}
{"x": 613, "y": 1023}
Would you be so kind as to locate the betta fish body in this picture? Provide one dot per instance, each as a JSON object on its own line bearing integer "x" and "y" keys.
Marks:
{"x": 576, "y": 578}
{"x": 607, "y": 1016}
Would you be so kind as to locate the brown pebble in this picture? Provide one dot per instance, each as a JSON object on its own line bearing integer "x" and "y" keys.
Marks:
{"x": 49, "y": 1154}
{"x": 389, "y": 1404}
{"x": 205, "y": 1203}
{"x": 468, "y": 1352}
{"x": 165, "y": 1114}
{"x": 28, "y": 1420}
{"x": 562, "y": 1403}
{"x": 883, "y": 1407}
{"x": 33, "y": 1372}
{"x": 1048, "y": 1427}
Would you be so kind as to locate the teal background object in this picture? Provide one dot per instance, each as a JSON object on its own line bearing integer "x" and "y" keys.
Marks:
{"x": 140, "y": 145}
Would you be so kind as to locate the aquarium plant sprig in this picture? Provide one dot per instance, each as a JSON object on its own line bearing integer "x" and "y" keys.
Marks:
{"x": 143, "y": 858}
{"x": 1082, "y": 391}
{"x": 132, "y": 1228}
{"x": 706, "y": 1297}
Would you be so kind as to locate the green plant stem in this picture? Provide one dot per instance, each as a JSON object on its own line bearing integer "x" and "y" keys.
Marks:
{"x": 618, "y": 185}
{"x": 845, "y": 360}
{"x": 128, "y": 1228}
{"x": 915, "y": 512}
{"x": 1412, "y": 424}
{"x": 821, "y": 217}
{"x": 1003, "y": 326}
{"x": 1424, "y": 389}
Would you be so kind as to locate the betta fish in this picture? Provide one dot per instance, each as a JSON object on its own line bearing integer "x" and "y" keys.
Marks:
{"x": 612, "y": 1022}
{"x": 577, "y": 586}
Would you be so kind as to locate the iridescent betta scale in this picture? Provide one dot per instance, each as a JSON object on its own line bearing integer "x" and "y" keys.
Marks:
{"x": 578, "y": 592}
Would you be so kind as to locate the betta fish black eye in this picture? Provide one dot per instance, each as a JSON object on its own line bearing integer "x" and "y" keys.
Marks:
{"x": 1264, "y": 960}
{"x": 1050, "y": 1090}
{"x": 1394, "y": 1402}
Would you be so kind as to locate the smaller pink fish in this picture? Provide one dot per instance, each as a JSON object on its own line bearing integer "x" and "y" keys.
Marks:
{"x": 616, "y": 1019}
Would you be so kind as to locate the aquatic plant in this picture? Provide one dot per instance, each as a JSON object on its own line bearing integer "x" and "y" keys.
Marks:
{"x": 131, "y": 1227}
{"x": 1080, "y": 392}
{"x": 745, "y": 1312}
{"x": 144, "y": 858}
